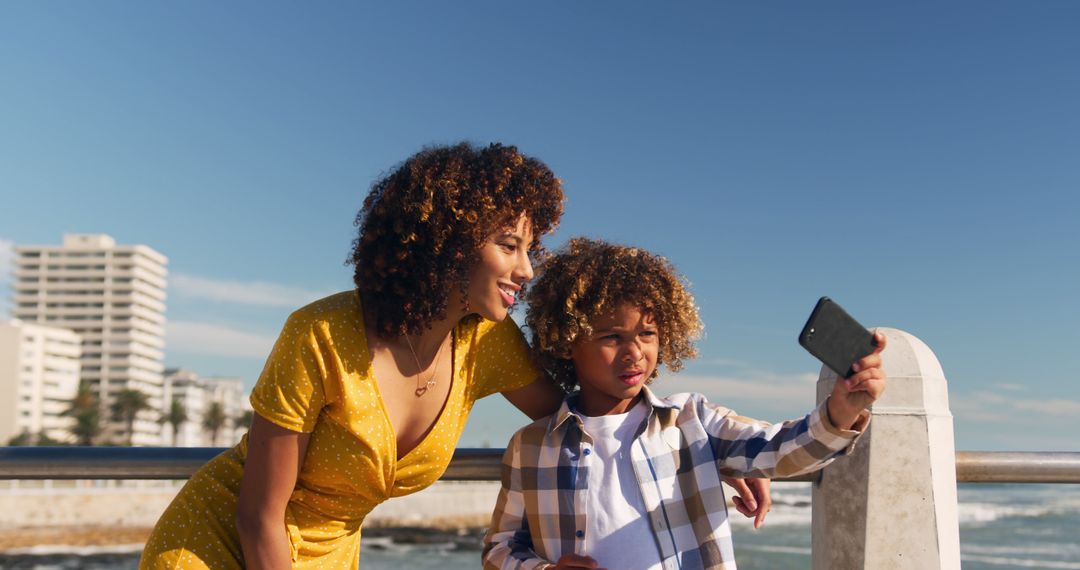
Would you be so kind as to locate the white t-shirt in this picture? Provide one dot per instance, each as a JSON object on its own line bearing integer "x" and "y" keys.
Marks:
{"x": 619, "y": 535}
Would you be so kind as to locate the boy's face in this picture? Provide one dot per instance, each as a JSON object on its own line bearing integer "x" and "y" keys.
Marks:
{"x": 616, "y": 360}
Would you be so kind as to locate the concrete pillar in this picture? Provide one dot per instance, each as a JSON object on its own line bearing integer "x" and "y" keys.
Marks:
{"x": 891, "y": 504}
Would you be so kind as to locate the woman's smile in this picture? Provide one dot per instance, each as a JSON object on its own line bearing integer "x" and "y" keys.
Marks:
{"x": 508, "y": 292}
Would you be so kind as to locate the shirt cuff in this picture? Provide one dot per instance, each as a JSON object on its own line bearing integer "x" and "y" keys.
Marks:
{"x": 824, "y": 430}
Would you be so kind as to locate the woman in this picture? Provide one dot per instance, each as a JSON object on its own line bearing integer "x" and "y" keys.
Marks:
{"x": 365, "y": 393}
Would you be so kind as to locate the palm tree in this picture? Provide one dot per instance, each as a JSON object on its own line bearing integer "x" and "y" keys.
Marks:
{"x": 126, "y": 407}
{"x": 22, "y": 439}
{"x": 176, "y": 417}
{"x": 244, "y": 419}
{"x": 84, "y": 409}
{"x": 214, "y": 420}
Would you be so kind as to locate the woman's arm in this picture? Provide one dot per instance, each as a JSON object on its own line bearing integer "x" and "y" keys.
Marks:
{"x": 274, "y": 458}
{"x": 538, "y": 399}
{"x": 753, "y": 497}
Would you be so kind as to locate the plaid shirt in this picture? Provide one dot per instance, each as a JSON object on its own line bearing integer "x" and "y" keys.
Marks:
{"x": 680, "y": 452}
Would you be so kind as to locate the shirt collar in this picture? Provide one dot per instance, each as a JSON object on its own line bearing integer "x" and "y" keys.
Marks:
{"x": 566, "y": 410}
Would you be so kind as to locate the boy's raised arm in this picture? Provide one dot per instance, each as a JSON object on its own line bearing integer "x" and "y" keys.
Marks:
{"x": 749, "y": 448}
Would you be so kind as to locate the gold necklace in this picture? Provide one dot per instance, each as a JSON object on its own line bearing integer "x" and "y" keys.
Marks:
{"x": 431, "y": 381}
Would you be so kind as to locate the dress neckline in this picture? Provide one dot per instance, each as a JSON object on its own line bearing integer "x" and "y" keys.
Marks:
{"x": 451, "y": 393}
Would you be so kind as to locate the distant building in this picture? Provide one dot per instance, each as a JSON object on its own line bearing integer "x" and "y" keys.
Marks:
{"x": 39, "y": 376}
{"x": 196, "y": 396}
{"x": 113, "y": 296}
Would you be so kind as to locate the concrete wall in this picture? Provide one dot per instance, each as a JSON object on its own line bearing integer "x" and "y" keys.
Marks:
{"x": 139, "y": 504}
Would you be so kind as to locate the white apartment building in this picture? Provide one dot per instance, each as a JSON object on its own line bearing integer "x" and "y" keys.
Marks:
{"x": 113, "y": 296}
{"x": 39, "y": 376}
{"x": 196, "y": 395}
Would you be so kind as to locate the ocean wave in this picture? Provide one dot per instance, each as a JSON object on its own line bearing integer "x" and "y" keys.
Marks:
{"x": 978, "y": 513}
{"x": 778, "y": 517}
{"x": 776, "y": 549}
{"x": 389, "y": 545}
{"x": 797, "y": 511}
{"x": 1021, "y": 562}
{"x": 791, "y": 507}
{"x": 1056, "y": 549}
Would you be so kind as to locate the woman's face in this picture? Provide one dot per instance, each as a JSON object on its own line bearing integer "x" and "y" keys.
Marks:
{"x": 503, "y": 267}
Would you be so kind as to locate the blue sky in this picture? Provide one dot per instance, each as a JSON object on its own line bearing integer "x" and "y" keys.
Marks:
{"x": 916, "y": 162}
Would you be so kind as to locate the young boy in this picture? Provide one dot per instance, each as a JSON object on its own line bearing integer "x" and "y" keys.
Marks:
{"x": 619, "y": 478}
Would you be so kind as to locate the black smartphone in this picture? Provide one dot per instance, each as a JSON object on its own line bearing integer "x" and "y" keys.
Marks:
{"x": 835, "y": 338}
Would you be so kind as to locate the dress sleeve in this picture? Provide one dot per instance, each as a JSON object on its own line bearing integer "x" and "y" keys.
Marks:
{"x": 290, "y": 390}
{"x": 502, "y": 360}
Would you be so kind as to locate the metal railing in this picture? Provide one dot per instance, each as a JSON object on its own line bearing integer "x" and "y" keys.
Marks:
{"x": 468, "y": 464}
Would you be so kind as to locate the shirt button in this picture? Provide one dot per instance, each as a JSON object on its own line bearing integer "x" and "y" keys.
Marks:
{"x": 580, "y": 534}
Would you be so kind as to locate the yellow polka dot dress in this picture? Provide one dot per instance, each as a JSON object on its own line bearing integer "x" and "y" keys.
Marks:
{"x": 318, "y": 379}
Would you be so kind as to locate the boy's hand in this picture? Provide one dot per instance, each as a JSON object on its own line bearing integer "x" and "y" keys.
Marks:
{"x": 855, "y": 393}
{"x": 754, "y": 497}
{"x": 571, "y": 561}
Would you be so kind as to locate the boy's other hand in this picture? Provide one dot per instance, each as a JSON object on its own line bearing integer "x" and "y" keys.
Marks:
{"x": 753, "y": 499}
{"x": 855, "y": 393}
{"x": 571, "y": 561}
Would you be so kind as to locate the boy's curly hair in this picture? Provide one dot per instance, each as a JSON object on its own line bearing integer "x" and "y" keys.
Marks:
{"x": 587, "y": 278}
{"x": 421, "y": 227}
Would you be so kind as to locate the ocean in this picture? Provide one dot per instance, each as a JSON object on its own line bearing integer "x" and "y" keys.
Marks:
{"x": 1001, "y": 526}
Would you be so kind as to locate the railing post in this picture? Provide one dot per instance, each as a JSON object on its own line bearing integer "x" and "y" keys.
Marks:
{"x": 892, "y": 503}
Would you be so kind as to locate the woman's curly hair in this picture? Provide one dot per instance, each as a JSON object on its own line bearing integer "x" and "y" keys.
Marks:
{"x": 422, "y": 226}
{"x": 588, "y": 278}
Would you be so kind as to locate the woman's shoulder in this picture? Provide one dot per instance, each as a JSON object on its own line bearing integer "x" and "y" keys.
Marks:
{"x": 488, "y": 335}
{"x": 340, "y": 312}
{"x": 342, "y": 304}
{"x": 485, "y": 327}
